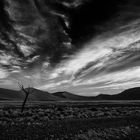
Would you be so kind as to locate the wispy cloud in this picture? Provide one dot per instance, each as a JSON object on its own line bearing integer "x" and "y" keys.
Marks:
{"x": 54, "y": 85}
{"x": 107, "y": 60}
{"x": 3, "y": 73}
{"x": 101, "y": 52}
{"x": 131, "y": 74}
{"x": 27, "y": 50}
{"x": 39, "y": 48}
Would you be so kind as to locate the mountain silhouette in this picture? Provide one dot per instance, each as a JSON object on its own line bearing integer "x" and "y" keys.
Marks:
{"x": 71, "y": 96}
{"x": 39, "y": 95}
{"x": 7, "y": 94}
{"x": 129, "y": 94}
{"x": 35, "y": 95}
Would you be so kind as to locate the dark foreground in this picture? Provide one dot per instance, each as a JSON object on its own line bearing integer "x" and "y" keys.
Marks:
{"x": 70, "y": 121}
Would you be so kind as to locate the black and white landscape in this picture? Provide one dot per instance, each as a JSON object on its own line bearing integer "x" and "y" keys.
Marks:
{"x": 69, "y": 69}
{"x": 132, "y": 94}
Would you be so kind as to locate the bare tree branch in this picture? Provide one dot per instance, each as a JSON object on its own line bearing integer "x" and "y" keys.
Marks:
{"x": 27, "y": 92}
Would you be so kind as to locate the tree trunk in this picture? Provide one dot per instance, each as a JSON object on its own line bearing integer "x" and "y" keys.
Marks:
{"x": 24, "y": 102}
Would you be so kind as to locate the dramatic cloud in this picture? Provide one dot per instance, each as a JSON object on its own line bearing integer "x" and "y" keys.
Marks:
{"x": 3, "y": 74}
{"x": 108, "y": 60}
{"x": 68, "y": 45}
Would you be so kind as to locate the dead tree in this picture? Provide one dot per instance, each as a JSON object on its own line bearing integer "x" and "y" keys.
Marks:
{"x": 27, "y": 91}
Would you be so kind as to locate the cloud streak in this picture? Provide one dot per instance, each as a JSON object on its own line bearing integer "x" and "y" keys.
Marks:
{"x": 38, "y": 46}
{"x": 108, "y": 60}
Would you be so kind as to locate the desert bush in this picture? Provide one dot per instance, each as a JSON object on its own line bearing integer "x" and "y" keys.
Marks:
{"x": 123, "y": 133}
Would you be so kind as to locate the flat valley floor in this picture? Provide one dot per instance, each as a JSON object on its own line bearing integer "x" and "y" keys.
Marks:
{"x": 106, "y": 120}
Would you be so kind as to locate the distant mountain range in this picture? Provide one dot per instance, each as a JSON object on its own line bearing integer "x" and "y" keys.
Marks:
{"x": 69, "y": 96}
{"x": 129, "y": 94}
{"x": 35, "y": 95}
{"x": 38, "y": 95}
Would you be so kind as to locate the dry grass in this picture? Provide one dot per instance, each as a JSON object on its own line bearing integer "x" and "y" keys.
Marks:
{"x": 70, "y": 121}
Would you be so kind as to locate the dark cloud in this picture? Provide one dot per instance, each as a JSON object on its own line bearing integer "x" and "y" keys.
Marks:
{"x": 35, "y": 27}
{"x": 64, "y": 41}
{"x": 30, "y": 28}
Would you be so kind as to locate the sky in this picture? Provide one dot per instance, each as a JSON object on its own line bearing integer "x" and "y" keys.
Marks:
{"x": 82, "y": 46}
